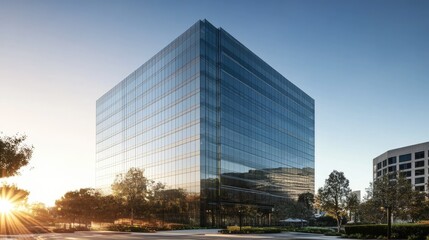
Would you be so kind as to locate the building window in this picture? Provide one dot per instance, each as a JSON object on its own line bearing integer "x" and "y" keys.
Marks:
{"x": 392, "y": 160}
{"x": 419, "y": 180}
{"x": 405, "y": 157}
{"x": 385, "y": 163}
{"x": 406, "y": 174}
{"x": 419, "y": 155}
{"x": 404, "y": 166}
{"x": 392, "y": 168}
{"x": 419, "y": 172}
{"x": 384, "y": 171}
{"x": 378, "y": 165}
{"x": 419, "y": 164}
{"x": 378, "y": 173}
{"x": 420, "y": 188}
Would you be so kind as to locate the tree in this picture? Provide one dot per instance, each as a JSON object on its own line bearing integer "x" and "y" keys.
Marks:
{"x": 81, "y": 206}
{"x": 370, "y": 211}
{"x": 132, "y": 189}
{"x": 40, "y": 213}
{"x": 352, "y": 206}
{"x": 13, "y": 194}
{"x": 392, "y": 191}
{"x": 108, "y": 209}
{"x": 171, "y": 205}
{"x": 333, "y": 195}
{"x": 14, "y": 154}
{"x": 85, "y": 205}
{"x": 418, "y": 207}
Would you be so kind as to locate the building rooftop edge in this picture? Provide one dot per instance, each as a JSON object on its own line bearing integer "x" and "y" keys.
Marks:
{"x": 205, "y": 21}
{"x": 395, "y": 149}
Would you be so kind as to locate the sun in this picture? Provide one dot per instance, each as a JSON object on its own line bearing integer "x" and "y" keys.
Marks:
{"x": 6, "y": 206}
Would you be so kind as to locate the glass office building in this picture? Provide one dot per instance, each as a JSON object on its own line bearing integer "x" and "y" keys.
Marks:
{"x": 207, "y": 115}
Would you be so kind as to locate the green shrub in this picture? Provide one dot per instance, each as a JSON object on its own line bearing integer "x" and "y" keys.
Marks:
{"x": 415, "y": 237}
{"x": 332, "y": 233}
{"x": 250, "y": 230}
{"x": 63, "y": 230}
{"x": 81, "y": 228}
{"x": 320, "y": 230}
{"x": 128, "y": 228}
{"x": 401, "y": 231}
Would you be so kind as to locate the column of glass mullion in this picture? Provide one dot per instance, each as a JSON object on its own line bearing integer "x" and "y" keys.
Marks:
{"x": 218, "y": 125}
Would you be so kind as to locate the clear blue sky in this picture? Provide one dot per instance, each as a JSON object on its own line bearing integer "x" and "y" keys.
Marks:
{"x": 366, "y": 64}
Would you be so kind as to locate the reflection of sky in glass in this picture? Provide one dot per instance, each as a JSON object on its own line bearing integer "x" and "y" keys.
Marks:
{"x": 151, "y": 120}
{"x": 249, "y": 119}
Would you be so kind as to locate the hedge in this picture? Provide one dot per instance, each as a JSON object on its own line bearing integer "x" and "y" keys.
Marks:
{"x": 401, "y": 231}
{"x": 128, "y": 228}
{"x": 320, "y": 230}
{"x": 249, "y": 230}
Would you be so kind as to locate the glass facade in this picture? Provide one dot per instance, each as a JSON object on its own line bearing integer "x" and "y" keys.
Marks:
{"x": 207, "y": 115}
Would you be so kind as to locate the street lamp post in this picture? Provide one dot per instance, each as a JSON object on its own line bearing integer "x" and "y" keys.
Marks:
{"x": 240, "y": 218}
{"x": 389, "y": 221}
{"x": 208, "y": 215}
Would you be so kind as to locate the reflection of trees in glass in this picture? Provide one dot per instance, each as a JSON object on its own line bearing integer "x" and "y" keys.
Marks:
{"x": 290, "y": 208}
{"x": 133, "y": 190}
{"x": 171, "y": 205}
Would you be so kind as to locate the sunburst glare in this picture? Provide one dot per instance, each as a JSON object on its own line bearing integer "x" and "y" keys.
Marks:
{"x": 6, "y": 206}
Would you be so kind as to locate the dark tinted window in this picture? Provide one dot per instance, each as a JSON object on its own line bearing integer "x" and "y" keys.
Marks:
{"x": 405, "y": 157}
{"x": 405, "y": 166}
{"x": 378, "y": 165}
{"x": 419, "y": 164}
{"x": 385, "y": 163}
{"x": 419, "y": 155}
{"x": 378, "y": 173}
{"x": 419, "y": 188}
{"x": 392, "y": 168}
{"x": 419, "y": 172}
{"x": 384, "y": 171}
{"x": 419, "y": 180}
{"x": 392, "y": 160}
{"x": 406, "y": 174}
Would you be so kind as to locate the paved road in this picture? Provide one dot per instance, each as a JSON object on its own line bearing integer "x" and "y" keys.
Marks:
{"x": 185, "y": 234}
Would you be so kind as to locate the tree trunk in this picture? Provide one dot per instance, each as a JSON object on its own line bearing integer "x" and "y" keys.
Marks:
{"x": 338, "y": 223}
{"x": 132, "y": 216}
{"x": 389, "y": 222}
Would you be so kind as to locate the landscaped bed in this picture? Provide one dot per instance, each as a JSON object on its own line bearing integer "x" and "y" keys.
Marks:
{"x": 250, "y": 230}
{"x": 399, "y": 231}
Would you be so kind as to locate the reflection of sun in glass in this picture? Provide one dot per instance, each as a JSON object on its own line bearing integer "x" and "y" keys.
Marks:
{"x": 6, "y": 206}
